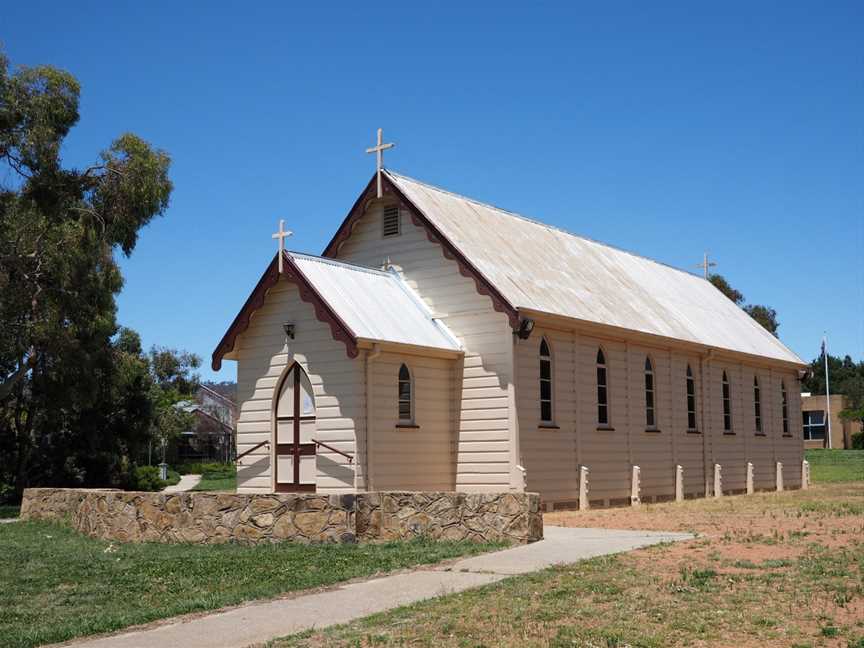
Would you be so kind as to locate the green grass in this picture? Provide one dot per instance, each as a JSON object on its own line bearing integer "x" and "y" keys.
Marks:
{"x": 831, "y": 466}
{"x": 65, "y": 585}
{"x": 218, "y": 477}
{"x": 711, "y": 592}
{"x": 8, "y": 511}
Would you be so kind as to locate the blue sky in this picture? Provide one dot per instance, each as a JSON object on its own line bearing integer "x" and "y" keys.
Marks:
{"x": 662, "y": 128}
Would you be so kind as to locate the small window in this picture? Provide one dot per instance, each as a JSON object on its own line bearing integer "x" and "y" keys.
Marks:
{"x": 727, "y": 405}
{"x": 650, "y": 413}
{"x": 757, "y": 406}
{"x": 691, "y": 400}
{"x": 814, "y": 425}
{"x": 785, "y": 403}
{"x": 406, "y": 396}
{"x": 602, "y": 390}
{"x": 390, "y": 223}
{"x": 545, "y": 382}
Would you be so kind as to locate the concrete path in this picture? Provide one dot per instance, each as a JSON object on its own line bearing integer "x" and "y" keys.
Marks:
{"x": 260, "y": 622}
{"x": 186, "y": 483}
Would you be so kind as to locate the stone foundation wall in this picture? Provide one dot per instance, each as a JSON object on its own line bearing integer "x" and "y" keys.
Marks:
{"x": 207, "y": 518}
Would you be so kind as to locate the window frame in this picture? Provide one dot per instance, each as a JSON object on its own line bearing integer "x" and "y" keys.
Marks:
{"x": 690, "y": 391}
{"x": 807, "y": 426}
{"x": 546, "y": 359}
{"x": 650, "y": 393}
{"x": 784, "y": 404}
{"x": 411, "y": 420}
{"x": 726, "y": 395}
{"x": 757, "y": 406}
{"x": 604, "y": 419}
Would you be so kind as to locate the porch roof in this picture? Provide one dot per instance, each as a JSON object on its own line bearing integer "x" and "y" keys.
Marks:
{"x": 375, "y": 304}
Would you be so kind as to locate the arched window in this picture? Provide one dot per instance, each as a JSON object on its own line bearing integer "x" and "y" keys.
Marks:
{"x": 691, "y": 400}
{"x": 406, "y": 396}
{"x": 545, "y": 382}
{"x": 727, "y": 405}
{"x": 650, "y": 416}
{"x": 757, "y": 406}
{"x": 785, "y": 408}
{"x": 602, "y": 391}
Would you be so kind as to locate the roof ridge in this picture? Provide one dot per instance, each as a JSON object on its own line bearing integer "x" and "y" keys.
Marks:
{"x": 540, "y": 223}
{"x": 335, "y": 262}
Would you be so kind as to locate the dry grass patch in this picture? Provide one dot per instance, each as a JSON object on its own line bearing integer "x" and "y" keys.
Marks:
{"x": 773, "y": 569}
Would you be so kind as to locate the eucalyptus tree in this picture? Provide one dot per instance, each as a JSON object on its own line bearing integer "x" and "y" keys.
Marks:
{"x": 71, "y": 399}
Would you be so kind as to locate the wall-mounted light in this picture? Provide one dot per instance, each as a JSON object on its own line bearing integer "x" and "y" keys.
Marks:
{"x": 525, "y": 328}
{"x": 289, "y": 327}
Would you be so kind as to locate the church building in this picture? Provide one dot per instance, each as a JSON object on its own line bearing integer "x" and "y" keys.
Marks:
{"x": 443, "y": 344}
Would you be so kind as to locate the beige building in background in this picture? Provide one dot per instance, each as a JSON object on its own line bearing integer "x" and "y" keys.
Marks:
{"x": 440, "y": 343}
{"x": 814, "y": 414}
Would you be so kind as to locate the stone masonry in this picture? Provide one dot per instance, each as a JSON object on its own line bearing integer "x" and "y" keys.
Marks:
{"x": 207, "y": 518}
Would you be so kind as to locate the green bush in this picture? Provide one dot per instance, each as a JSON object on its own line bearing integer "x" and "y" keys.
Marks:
{"x": 147, "y": 479}
{"x": 858, "y": 441}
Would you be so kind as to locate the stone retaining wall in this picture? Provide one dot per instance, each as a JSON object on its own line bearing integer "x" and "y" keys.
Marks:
{"x": 207, "y": 518}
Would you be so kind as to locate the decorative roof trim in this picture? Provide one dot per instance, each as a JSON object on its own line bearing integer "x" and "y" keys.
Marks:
{"x": 435, "y": 235}
{"x": 340, "y": 331}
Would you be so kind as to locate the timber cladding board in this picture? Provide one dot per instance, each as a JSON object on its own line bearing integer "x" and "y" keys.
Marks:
{"x": 483, "y": 410}
{"x": 266, "y": 354}
{"x": 552, "y": 456}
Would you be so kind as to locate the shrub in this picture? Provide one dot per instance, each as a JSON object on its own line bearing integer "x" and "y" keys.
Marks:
{"x": 858, "y": 441}
{"x": 147, "y": 479}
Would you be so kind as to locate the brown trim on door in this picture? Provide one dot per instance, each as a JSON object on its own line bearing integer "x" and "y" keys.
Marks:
{"x": 294, "y": 449}
{"x": 288, "y": 448}
{"x": 295, "y": 488}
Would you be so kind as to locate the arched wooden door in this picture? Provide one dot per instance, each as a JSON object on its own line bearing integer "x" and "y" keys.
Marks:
{"x": 295, "y": 430}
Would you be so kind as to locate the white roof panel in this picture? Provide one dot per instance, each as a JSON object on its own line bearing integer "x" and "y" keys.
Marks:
{"x": 376, "y": 305}
{"x": 543, "y": 268}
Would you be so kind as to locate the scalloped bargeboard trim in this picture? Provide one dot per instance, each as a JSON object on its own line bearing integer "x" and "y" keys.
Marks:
{"x": 340, "y": 331}
{"x": 435, "y": 235}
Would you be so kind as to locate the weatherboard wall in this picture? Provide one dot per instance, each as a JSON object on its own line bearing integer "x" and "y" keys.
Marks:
{"x": 264, "y": 355}
{"x": 552, "y": 454}
{"x": 417, "y": 455}
{"x": 483, "y": 387}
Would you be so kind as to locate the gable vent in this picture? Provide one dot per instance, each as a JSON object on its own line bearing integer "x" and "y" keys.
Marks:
{"x": 390, "y": 221}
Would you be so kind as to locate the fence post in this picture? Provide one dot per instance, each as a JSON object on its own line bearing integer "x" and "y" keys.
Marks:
{"x": 805, "y": 475}
{"x": 636, "y": 486}
{"x": 718, "y": 480}
{"x": 583, "y": 488}
{"x": 679, "y": 483}
{"x": 749, "y": 478}
{"x": 779, "y": 476}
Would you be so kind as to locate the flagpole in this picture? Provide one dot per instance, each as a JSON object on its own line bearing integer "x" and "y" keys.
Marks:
{"x": 827, "y": 388}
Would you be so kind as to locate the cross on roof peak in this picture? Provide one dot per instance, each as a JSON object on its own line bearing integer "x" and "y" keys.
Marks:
{"x": 705, "y": 265}
{"x": 379, "y": 149}
{"x": 282, "y": 234}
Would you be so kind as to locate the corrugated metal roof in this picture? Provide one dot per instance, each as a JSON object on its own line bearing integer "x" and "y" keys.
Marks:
{"x": 543, "y": 268}
{"x": 376, "y": 305}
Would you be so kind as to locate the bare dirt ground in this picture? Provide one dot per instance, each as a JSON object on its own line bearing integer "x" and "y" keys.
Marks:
{"x": 771, "y": 569}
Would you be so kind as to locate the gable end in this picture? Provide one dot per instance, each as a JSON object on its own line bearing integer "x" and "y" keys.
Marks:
{"x": 291, "y": 273}
{"x": 466, "y": 268}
